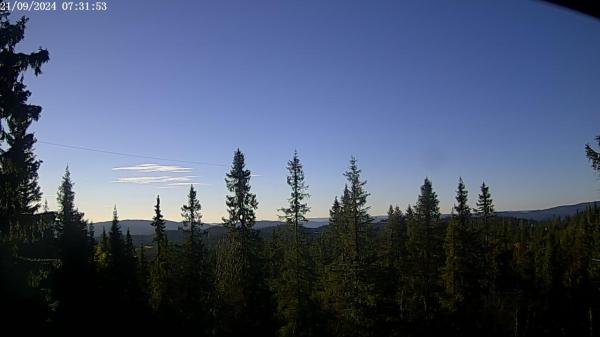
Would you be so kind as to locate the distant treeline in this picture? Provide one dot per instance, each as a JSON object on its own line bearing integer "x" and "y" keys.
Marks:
{"x": 470, "y": 275}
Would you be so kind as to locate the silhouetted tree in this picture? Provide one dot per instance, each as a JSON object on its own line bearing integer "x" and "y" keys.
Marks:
{"x": 352, "y": 280}
{"x": 241, "y": 285}
{"x": 592, "y": 155}
{"x": 293, "y": 285}
{"x": 161, "y": 269}
{"x": 75, "y": 275}
{"x": 19, "y": 190}
{"x": 195, "y": 280}
{"x": 425, "y": 257}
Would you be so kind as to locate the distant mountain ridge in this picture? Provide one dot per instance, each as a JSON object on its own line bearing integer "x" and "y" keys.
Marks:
{"x": 143, "y": 227}
{"x": 136, "y": 226}
{"x": 550, "y": 213}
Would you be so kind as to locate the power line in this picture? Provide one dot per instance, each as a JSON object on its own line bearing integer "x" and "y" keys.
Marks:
{"x": 127, "y": 154}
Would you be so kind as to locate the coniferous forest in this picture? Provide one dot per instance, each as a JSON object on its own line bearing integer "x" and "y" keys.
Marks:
{"x": 415, "y": 273}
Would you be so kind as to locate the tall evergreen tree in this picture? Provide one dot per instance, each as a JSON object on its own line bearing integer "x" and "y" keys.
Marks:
{"x": 405, "y": 279}
{"x": 130, "y": 253}
{"x": 425, "y": 254}
{"x": 485, "y": 206}
{"x": 121, "y": 277}
{"x": 391, "y": 255}
{"x": 355, "y": 213}
{"x": 195, "y": 288}
{"x": 241, "y": 285}
{"x": 352, "y": 272}
{"x": 328, "y": 247}
{"x": 393, "y": 233}
{"x": 72, "y": 229}
{"x": 101, "y": 252}
{"x": 76, "y": 272}
{"x": 241, "y": 205}
{"x": 116, "y": 245}
{"x": 295, "y": 281}
{"x": 486, "y": 213}
{"x": 160, "y": 270}
{"x": 19, "y": 190}
{"x": 461, "y": 274}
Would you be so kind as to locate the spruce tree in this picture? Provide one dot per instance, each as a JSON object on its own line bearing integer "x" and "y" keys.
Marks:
{"x": 461, "y": 274}
{"x": 101, "y": 253}
{"x": 72, "y": 230}
{"x": 329, "y": 239}
{"x": 391, "y": 253}
{"x": 485, "y": 213}
{"x": 240, "y": 280}
{"x": 195, "y": 288}
{"x": 130, "y": 253}
{"x": 160, "y": 270}
{"x": 406, "y": 279}
{"x": 485, "y": 206}
{"x": 241, "y": 205}
{"x": 355, "y": 213}
{"x": 75, "y": 273}
{"x": 116, "y": 245}
{"x": 327, "y": 252}
{"x": 425, "y": 256}
{"x": 19, "y": 190}
{"x": 295, "y": 281}
{"x": 393, "y": 233}
{"x": 352, "y": 283}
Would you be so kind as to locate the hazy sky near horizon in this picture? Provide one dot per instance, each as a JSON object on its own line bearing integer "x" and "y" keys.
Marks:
{"x": 501, "y": 91}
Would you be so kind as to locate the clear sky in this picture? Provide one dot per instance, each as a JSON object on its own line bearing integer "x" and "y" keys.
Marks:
{"x": 502, "y": 91}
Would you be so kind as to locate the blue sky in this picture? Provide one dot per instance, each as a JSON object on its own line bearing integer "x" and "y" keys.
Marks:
{"x": 501, "y": 91}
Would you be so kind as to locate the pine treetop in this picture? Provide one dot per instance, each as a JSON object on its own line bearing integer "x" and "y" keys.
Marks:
{"x": 158, "y": 223}
{"x": 190, "y": 212}
{"x": 241, "y": 203}
{"x": 485, "y": 206}
{"x": 463, "y": 211}
{"x": 295, "y": 213}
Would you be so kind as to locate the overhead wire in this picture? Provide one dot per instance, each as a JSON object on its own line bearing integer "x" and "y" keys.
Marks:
{"x": 133, "y": 155}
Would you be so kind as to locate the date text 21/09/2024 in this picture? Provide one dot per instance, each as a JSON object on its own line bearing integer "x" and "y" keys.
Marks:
{"x": 68, "y": 6}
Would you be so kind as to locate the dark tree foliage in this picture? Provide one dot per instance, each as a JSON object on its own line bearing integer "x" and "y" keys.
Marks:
{"x": 116, "y": 246}
{"x": 161, "y": 273}
{"x": 593, "y": 155}
{"x": 20, "y": 193}
{"x": 485, "y": 206}
{"x": 463, "y": 272}
{"x": 143, "y": 272}
{"x": 398, "y": 277}
{"x": 241, "y": 204}
{"x": 21, "y": 281}
{"x": 75, "y": 276}
{"x": 391, "y": 253}
{"x": 352, "y": 286}
{"x": 195, "y": 281}
{"x": 293, "y": 282}
{"x": 414, "y": 273}
{"x": 240, "y": 270}
{"x": 425, "y": 258}
{"x": 120, "y": 287}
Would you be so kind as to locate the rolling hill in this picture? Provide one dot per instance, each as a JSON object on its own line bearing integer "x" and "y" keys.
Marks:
{"x": 142, "y": 227}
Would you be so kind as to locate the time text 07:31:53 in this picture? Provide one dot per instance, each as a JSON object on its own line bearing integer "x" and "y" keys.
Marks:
{"x": 67, "y": 6}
